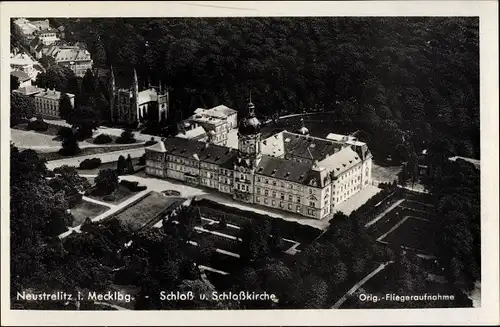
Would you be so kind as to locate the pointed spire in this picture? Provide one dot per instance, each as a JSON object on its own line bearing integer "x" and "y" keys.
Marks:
{"x": 251, "y": 107}
{"x": 135, "y": 77}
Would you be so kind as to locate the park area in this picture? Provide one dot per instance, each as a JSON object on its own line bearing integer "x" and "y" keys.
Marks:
{"x": 148, "y": 210}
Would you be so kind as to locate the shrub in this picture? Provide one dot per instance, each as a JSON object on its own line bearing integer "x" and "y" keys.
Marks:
{"x": 126, "y": 137}
{"x": 142, "y": 160}
{"x": 38, "y": 125}
{"x": 90, "y": 163}
{"x": 74, "y": 199}
{"x": 109, "y": 197}
{"x": 103, "y": 139}
{"x": 133, "y": 186}
{"x": 151, "y": 142}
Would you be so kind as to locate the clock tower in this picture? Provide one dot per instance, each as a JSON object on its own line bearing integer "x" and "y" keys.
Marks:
{"x": 249, "y": 155}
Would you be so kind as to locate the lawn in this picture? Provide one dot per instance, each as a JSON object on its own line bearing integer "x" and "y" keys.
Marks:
{"x": 414, "y": 233}
{"x": 86, "y": 209}
{"x": 89, "y": 151}
{"x": 148, "y": 209}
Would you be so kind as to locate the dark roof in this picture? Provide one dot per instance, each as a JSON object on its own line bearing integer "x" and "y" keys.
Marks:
{"x": 21, "y": 76}
{"x": 308, "y": 147}
{"x": 202, "y": 151}
{"x": 283, "y": 169}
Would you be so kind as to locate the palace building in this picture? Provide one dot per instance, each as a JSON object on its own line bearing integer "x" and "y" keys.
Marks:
{"x": 292, "y": 172}
{"x": 129, "y": 105}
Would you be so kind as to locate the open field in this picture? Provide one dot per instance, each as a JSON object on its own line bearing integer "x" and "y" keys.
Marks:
{"x": 147, "y": 210}
{"x": 86, "y": 209}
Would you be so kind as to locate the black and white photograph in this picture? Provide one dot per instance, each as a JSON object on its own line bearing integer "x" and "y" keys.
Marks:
{"x": 246, "y": 162}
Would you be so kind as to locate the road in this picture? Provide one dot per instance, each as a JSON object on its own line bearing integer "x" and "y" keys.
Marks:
{"x": 105, "y": 157}
{"x": 109, "y": 131}
{"x": 360, "y": 283}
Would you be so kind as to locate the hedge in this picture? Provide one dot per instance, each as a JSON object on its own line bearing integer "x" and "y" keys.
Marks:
{"x": 102, "y": 139}
{"x": 90, "y": 163}
{"x": 133, "y": 186}
{"x": 38, "y": 125}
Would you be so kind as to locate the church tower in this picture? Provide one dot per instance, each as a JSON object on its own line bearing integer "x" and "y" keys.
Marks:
{"x": 134, "y": 110}
{"x": 112, "y": 95}
{"x": 249, "y": 156}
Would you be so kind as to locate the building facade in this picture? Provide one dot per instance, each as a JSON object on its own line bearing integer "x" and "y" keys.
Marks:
{"x": 129, "y": 105}
{"x": 210, "y": 124}
{"x": 300, "y": 178}
{"x": 47, "y": 102}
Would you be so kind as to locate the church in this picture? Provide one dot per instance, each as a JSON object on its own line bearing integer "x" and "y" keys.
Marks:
{"x": 292, "y": 172}
{"x": 128, "y": 105}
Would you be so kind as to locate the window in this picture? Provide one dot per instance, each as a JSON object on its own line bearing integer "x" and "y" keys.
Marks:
{"x": 265, "y": 200}
{"x": 289, "y": 206}
{"x": 274, "y": 194}
{"x": 267, "y": 181}
{"x": 290, "y": 198}
{"x": 298, "y": 199}
{"x": 312, "y": 204}
{"x": 274, "y": 203}
{"x": 258, "y": 179}
{"x": 298, "y": 208}
{"x": 238, "y": 186}
{"x": 257, "y": 199}
{"x": 266, "y": 192}
{"x": 258, "y": 190}
{"x": 282, "y": 196}
{"x": 282, "y": 184}
{"x": 274, "y": 183}
{"x": 310, "y": 191}
{"x": 290, "y": 186}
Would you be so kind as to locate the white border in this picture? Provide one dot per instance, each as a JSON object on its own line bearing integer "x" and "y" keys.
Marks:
{"x": 488, "y": 13}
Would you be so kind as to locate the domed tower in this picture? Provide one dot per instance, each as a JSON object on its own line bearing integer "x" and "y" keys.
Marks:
{"x": 303, "y": 129}
{"x": 249, "y": 155}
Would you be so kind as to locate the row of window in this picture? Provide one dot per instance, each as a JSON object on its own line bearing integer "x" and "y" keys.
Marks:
{"x": 298, "y": 208}
{"x": 281, "y": 184}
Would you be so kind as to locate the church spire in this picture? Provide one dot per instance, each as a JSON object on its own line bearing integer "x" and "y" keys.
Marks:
{"x": 251, "y": 107}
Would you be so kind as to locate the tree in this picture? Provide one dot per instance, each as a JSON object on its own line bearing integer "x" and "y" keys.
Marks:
{"x": 107, "y": 181}
{"x": 21, "y": 107}
{"x": 129, "y": 165}
{"x": 65, "y": 106}
{"x": 14, "y": 83}
{"x": 89, "y": 83}
{"x": 126, "y": 137}
{"x": 121, "y": 165}
{"x": 275, "y": 240}
{"x": 69, "y": 145}
{"x": 84, "y": 120}
{"x": 254, "y": 245}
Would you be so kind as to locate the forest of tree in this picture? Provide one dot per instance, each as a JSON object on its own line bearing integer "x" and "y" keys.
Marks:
{"x": 393, "y": 78}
